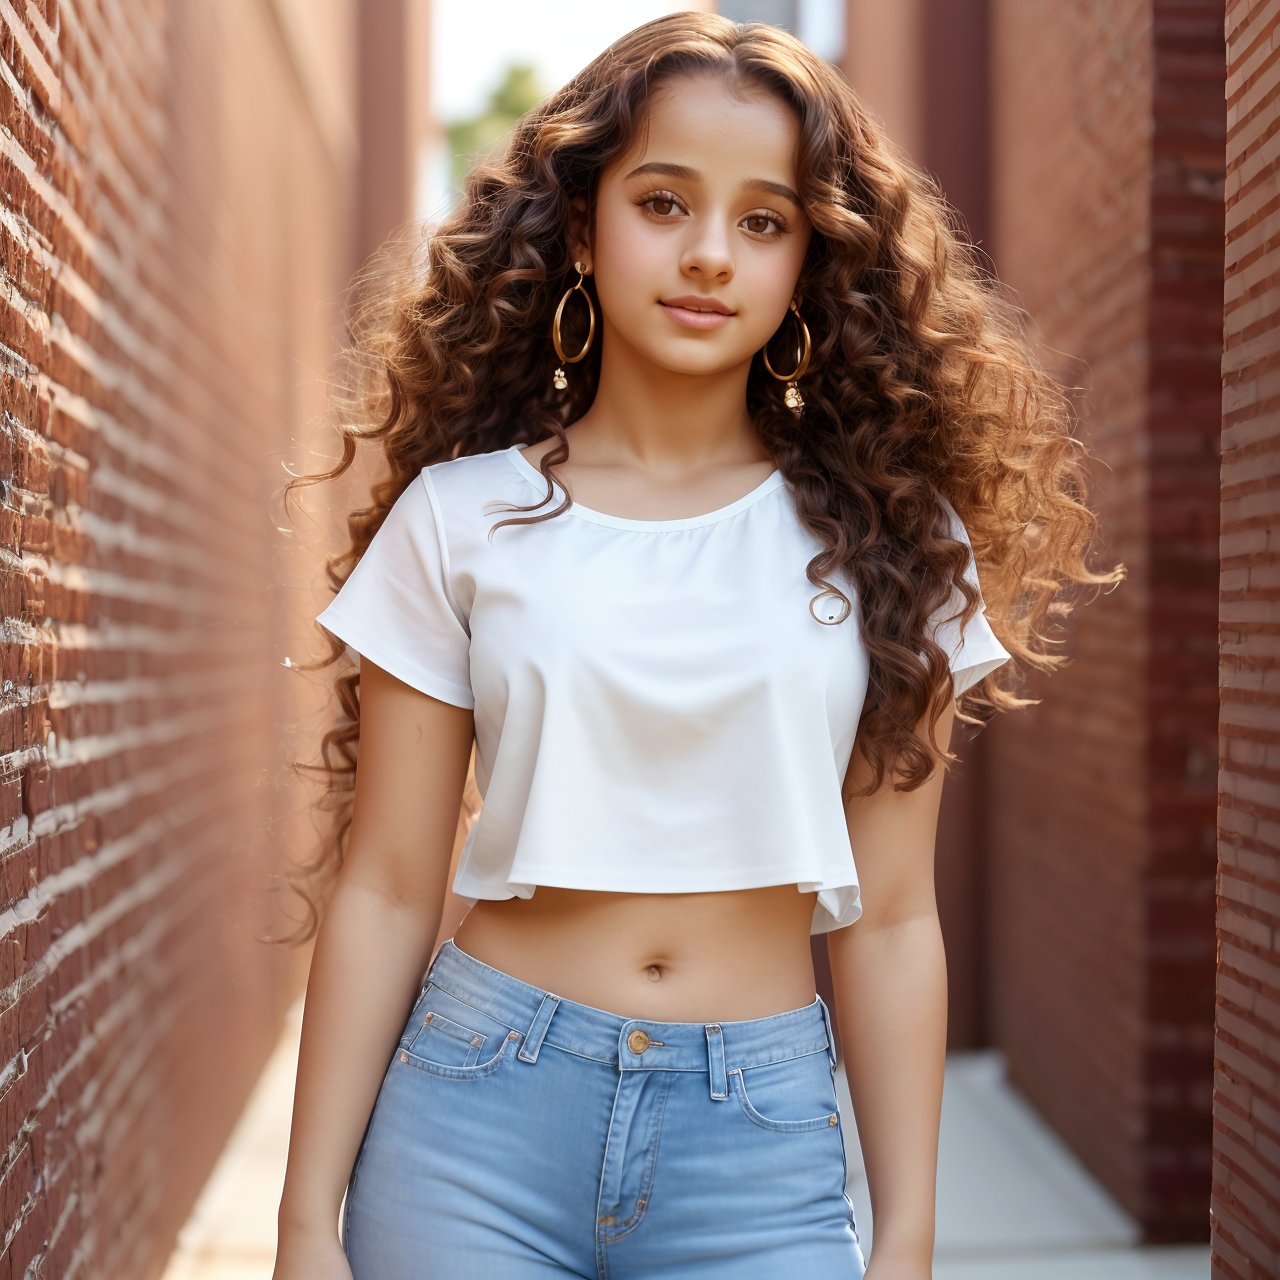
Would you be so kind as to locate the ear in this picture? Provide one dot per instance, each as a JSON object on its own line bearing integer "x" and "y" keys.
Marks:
{"x": 578, "y": 231}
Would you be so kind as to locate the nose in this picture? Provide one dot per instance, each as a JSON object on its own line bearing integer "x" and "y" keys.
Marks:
{"x": 706, "y": 253}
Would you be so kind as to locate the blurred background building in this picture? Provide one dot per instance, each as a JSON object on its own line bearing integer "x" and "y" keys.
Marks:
{"x": 189, "y": 189}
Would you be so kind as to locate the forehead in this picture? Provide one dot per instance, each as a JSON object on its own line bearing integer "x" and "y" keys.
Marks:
{"x": 696, "y": 119}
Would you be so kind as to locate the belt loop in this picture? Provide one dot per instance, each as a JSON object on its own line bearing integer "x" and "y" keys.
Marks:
{"x": 528, "y": 1051}
{"x": 831, "y": 1039}
{"x": 715, "y": 1060}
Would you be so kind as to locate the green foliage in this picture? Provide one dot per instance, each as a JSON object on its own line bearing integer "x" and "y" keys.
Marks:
{"x": 477, "y": 137}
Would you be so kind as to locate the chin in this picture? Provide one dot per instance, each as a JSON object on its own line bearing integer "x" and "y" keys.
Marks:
{"x": 693, "y": 368}
{"x": 706, "y": 361}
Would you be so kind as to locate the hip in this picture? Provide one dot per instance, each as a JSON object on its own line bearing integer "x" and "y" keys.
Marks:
{"x": 514, "y": 1125}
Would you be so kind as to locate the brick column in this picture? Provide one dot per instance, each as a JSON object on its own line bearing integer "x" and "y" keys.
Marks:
{"x": 1246, "y": 1094}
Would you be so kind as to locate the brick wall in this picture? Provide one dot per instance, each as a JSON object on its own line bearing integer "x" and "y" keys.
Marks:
{"x": 1246, "y": 1098}
{"x": 1072, "y": 93}
{"x": 1083, "y": 146}
{"x": 1106, "y": 158}
{"x": 1183, "y": 442}
{"x": 175, "y": 232}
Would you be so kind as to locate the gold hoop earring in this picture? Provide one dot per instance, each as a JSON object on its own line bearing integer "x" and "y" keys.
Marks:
{"x": 794, "y": 400}
{"x": 558, "y": 379}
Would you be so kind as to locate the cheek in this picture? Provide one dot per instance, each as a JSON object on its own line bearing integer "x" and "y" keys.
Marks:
{"x": 772, "y": 286}
{"x": 773, "y": 272}
{"x": 631, "y": 266}
{"x": 768, "y": 282}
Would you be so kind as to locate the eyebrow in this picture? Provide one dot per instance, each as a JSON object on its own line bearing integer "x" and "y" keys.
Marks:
{"x": 692, "y": 175}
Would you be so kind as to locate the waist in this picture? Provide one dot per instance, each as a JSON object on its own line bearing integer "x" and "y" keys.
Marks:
{"x": 608, "y": 1036}
{"x": 681, "y": 956}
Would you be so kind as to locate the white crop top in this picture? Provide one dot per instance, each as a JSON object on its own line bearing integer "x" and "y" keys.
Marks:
{"x": 656, "y": 710}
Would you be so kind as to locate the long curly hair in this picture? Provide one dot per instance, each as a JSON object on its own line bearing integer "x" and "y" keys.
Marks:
{"x": 923, "y": 384}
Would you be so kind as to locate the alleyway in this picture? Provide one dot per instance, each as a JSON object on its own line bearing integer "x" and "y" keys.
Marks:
{"x": 1013, "y": 1204}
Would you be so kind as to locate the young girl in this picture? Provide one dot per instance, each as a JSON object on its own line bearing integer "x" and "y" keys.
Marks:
{"x": 721, "y": 339}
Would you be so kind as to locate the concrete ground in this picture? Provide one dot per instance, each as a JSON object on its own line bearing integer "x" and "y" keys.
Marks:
{"x": 1013, "y": 1202}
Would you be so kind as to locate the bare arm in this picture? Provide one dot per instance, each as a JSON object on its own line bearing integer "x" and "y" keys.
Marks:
{"x": 456, "y": 908}
{"x": 889, "y": 979}
{"x": 377, "y": 936}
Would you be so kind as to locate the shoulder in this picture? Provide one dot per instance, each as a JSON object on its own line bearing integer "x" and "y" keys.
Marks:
{"x": 462, "y": 492}
{"x": 458, "y": 483}
{"x": 470, "y": 469}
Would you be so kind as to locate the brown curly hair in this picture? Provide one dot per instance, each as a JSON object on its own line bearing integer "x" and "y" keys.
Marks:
{"x": 923, "y": 385}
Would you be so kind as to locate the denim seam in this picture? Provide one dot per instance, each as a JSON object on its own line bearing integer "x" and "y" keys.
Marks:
{"x": 493, "y": 1017}
{"x": 814, "y": 1124}
{"x": 548, "y": 1042}
{"x": 476, "y": 1071}
{"x": 824, "y": 1047}
{"x": 647, "y": 1183}
{"x": 359, "y": 1160}
{"x": 773, "y": 1062}
{"x": 445, "y": 1025}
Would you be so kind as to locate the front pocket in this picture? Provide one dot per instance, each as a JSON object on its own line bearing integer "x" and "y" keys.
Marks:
{"x": 796, "y": 1096}
{"x": 448, "y": 1037}
{"x": 468, "y": 1049}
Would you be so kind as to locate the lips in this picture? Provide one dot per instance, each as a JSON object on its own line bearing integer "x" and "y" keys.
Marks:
{"x": 693, "y": 303}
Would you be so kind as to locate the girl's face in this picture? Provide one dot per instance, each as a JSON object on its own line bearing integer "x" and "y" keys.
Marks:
{"x": 703, "y": 209}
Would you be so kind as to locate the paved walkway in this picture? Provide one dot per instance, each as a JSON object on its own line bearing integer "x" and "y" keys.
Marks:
{"x": 1013, "y": 1202}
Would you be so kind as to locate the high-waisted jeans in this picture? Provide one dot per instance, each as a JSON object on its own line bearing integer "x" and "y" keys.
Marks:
{"x": 518, "y": 1134}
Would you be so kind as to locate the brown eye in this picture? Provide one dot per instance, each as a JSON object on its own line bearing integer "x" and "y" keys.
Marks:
{"x": 769, "y": 220}
{"x": 665, "y": 198}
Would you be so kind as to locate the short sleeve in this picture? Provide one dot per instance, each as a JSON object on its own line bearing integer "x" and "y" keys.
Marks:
{"x": 975, "y": 652}
{"x": 396, "y": 606}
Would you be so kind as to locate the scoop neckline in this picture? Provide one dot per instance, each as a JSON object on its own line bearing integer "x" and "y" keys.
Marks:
{"x": 535, "y": 477}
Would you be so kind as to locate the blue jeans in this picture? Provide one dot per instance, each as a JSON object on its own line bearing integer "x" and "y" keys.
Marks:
{"x": 519, "y": 1134}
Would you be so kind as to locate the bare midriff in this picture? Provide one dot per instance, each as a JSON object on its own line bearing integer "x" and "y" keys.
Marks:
{"x": 677, "y": 957}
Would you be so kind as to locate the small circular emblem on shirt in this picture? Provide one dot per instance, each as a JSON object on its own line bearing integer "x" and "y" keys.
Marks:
{"x": 829, "y": 607}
